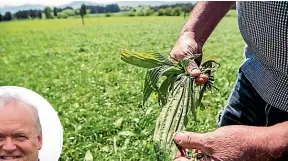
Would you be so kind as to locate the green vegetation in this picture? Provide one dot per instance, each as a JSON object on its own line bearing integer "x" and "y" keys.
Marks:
{"x": 178, "y": 95}
{"x": 79, "y": 71}
{"x": 83, "y": 12}
{"x": 48, "y": 12}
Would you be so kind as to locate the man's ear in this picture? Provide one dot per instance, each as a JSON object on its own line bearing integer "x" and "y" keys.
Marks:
{"x": 40, "y": 140}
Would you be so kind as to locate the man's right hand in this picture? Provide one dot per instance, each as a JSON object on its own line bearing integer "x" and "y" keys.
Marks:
{"x": 185, "y": 47}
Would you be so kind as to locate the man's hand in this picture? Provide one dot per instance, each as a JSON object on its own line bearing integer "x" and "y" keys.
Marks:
{"x": 204, "y": 18}
{"x": 233, "y": 143}
{"x": 185, "y": 47}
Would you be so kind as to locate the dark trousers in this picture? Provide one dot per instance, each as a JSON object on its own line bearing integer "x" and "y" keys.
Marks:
{"x": 246, "y": 107}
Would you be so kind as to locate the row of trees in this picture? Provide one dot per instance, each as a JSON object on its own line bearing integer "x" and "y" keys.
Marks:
{"x": 28, "y": 13}
{"x": 52, "y": 13}
{"x": 111, "y": 8}
{"x": 162, "y": 10}
{"x": 33, "y": 14}
{"x": 185, "y": 7}
{"x": 6, "y": 17}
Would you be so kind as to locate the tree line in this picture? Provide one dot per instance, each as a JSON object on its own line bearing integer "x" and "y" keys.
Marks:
{"x": 110, "y": 8}
{"x": 49, "y": 13}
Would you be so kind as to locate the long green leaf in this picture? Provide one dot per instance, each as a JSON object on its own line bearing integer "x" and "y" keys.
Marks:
{"x": 145, "y": 60}
{"x": 147, "y": 89}
{"x": 151, "y": 80}
{"x": 164, "y": 89}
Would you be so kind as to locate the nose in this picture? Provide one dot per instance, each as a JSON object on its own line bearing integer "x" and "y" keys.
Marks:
{"x": 8, "y": 145}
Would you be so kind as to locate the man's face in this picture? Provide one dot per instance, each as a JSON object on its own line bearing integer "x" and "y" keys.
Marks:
{"x": 19, "y": 140}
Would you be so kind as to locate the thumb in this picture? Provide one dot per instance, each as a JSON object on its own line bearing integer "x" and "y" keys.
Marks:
{"x": 191, "y": 140}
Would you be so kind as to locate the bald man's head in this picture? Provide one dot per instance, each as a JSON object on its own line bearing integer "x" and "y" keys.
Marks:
{"x": 20, "y": 105}
{"x": 20, "y": 130}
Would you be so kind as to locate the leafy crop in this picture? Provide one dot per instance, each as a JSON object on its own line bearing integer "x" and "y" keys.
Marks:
{"x": 177, "y": 95}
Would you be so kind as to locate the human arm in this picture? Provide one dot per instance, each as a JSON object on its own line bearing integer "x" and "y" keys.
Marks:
{"x": 202, "y": 21}
{"x": 238, "y": 143}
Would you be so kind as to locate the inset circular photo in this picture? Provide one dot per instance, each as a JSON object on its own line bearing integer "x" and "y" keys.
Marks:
{"x": 30, "y": 129}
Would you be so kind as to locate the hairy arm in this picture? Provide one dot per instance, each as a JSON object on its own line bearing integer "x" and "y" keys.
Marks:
{"x": 204, "y": 18}
{"x": 277, "y": 139}
{"x": 238, "y": 143}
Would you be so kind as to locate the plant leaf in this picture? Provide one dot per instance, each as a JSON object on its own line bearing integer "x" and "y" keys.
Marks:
{"x": 88, "y": 156}
{"x": 185, "y": 62}
{"x": 147, "y": 89}
{"x": 164, "y": 89}
{"x": 126, "y": 133}
{"x": 145, "y": 60}
{"x": 118, "y": 122}
{"x": 152, "y": 77}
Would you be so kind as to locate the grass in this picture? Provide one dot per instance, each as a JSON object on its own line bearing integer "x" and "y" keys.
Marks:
{"x": 78, "y": 70}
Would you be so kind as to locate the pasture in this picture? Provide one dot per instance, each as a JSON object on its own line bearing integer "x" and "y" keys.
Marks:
{"x": 78, "y": 70}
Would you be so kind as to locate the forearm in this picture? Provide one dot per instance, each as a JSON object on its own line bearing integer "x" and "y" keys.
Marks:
{"x": 204, "y": 18}
{"x": 269, "y": 142}
{"x": 277, "y": 138}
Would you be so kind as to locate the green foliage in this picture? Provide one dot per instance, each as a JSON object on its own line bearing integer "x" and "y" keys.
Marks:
{"x": 140, "y": 13}
{"x": 112, "y": 8}
{"x": 149, "y": 12}
{"x": 78, "y": 70}
{"x": 55, "y": 12}
{"x": 107, "y": 14}
{"x": 47, "y": 12}
{"x": 144, "y": 12}
{"x": 188, "y": 8}
{"x": 77, "y": 11}
{"x": 168, "y": 11}
{"x": 145, "y": 59}
{"x": 83, "y": 10}
{"x": 67, "y": 13}
{"x": 62, "y": 15}
{"x": 161, "y": 12}
{"x": 178, "y": 96}
{"x": 176, "y": 11}
{"x": 130, "y": 14}
{"x": 7, "y": 16}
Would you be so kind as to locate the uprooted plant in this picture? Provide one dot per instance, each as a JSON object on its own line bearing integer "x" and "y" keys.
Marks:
{"x": 178, "y": 95}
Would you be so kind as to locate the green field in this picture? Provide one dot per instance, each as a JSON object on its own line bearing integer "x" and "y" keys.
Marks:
{"x": 78, "y": 70}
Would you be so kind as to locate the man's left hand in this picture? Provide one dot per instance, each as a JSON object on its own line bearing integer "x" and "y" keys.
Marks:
{"x": 232, "y": 143}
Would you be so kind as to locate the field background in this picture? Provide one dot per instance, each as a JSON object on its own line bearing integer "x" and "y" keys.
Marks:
{"x": 78, "y": 70}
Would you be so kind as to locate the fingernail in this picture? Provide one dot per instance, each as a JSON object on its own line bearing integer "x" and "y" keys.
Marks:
{"x": 178, "y": 137}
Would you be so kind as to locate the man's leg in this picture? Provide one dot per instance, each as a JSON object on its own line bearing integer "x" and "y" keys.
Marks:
{"x": 244, "y": 106}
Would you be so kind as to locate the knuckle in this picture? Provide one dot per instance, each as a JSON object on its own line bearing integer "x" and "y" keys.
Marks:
{"x": 190, "y": 140}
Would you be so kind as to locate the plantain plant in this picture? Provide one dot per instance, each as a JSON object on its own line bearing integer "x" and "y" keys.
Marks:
{"x": 178, "y": 95}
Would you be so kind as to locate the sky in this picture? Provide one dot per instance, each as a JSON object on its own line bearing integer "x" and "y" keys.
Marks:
{"x": 42, "y": 2}
{"x": 52, "y": 2}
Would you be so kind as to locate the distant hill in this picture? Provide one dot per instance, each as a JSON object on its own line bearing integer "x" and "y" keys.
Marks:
{"x": 14, "y": 9}
{"x": 77, "y": 4}
{"x": 149, "y": 3}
